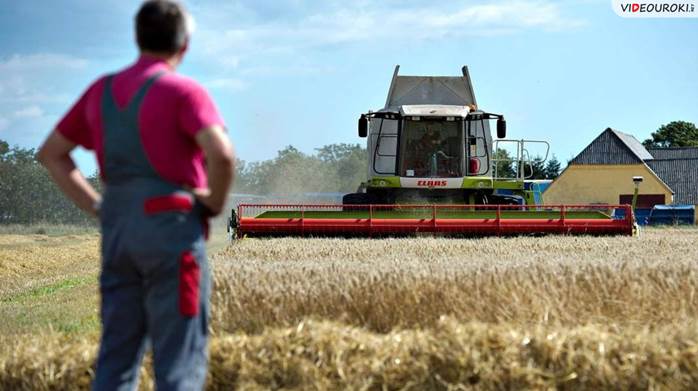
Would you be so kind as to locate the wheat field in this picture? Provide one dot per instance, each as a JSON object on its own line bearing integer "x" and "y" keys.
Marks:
{"x": 383, "y": 284}
{"x": 412, "y": 313}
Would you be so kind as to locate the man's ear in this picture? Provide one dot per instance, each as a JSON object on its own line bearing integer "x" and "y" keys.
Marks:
{"x": 184, "y": 48}
{"x": 179, "y": 56}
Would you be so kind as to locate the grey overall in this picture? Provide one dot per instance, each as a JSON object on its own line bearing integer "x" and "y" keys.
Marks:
{"x": 155, "y": 282}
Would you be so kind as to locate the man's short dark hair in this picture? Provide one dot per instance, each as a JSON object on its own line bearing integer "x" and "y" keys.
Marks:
{"x": 161, "y": 26}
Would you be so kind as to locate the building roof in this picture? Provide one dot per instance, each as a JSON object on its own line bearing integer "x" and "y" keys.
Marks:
{"x": 613, "y": 147}
{"x": 679, "y": 174}
{"x": 632, "y": 143}
{"x": 674, "y": 153}
{"x": 676, "y": 167}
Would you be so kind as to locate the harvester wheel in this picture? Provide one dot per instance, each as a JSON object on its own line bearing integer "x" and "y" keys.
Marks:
{"x": 505, "y": 200}
{"x": 356, "y": 199}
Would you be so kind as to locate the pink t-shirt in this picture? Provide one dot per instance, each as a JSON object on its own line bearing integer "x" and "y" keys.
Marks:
{"x": 174, "y": 110}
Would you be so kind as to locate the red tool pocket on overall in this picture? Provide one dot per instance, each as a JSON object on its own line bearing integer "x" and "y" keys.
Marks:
{"x": 168, "y": 203}
{"x": 188, "y": 285}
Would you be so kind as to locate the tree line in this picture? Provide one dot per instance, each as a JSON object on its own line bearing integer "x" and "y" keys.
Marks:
{"x": 28, "y": 195}
{"x": 332, "y": 168}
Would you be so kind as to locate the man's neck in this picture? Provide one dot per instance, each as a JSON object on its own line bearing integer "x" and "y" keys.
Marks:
{"x": 171, "y": 60}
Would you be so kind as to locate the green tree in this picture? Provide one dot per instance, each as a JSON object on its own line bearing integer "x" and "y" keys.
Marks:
{"x": 296, "y": 172}
{"x": 674, "y": 134}
{"x": 552, "y": 168}
{"x": 348, "y": 162}
{"x": 333, "y": 168}
{"x": 27, "y": 194}
{"x": 537, "y": 168}
{"x": 504, "y": 164}
{"x": 241, "y": 184}
{"x": 4, "y": 149}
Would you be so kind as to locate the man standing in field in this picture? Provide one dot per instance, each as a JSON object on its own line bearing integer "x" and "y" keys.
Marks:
{"x": 167, "y": 166}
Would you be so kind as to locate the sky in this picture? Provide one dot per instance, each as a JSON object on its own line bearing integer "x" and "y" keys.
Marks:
{"x": 297, "y": 72}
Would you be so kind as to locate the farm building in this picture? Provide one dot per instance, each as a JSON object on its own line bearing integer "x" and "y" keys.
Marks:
{"x": 602, "y": 174}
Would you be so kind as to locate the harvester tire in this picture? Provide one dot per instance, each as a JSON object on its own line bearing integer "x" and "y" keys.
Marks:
{"x": 358, "y": 199}
{"x": 506, "y": 200}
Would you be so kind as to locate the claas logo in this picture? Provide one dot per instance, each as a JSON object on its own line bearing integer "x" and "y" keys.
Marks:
{"x": 431, "y": 183}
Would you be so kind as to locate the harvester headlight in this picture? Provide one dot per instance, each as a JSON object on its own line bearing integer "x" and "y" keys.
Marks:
{"x": 382, "y": 183}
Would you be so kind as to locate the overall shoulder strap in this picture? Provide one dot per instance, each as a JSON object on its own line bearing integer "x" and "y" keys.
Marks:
{"x": 107, "y": 95}
{"x": 137, "y": 99}
{"x": 125, "y": 158}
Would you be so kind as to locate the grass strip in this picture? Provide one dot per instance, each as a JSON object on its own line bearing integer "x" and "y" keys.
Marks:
{"x": 49, "y": 289}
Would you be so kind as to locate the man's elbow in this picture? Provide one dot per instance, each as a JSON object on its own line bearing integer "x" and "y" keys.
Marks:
{"x": 217, "y": 148}
{"x": 225, "y": 158}
{"x": 229, "y": 161}
{"x": 42, "y": 157}
{"x": 47, "y": 158}
{"x": 54, "y": 149}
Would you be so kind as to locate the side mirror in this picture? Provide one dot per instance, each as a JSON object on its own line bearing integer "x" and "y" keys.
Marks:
{"x": 501, "y": 128}
{"x": 363, "y": 126}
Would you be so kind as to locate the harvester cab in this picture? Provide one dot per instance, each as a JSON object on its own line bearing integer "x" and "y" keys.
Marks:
{"x": 431, "y": 143}
{"x": 434, "y": 167}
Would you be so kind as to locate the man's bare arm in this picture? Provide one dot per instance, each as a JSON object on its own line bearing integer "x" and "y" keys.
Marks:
{"x": 220, "y": 166}
{"x": 55, "y": 156}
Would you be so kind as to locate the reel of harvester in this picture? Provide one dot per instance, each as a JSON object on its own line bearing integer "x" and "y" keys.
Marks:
{"x": 450, "y": 220}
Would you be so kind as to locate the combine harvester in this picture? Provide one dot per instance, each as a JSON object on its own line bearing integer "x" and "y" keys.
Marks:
{"x": 432, "y": 169}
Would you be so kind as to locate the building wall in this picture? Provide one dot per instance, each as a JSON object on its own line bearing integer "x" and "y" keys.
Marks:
{"x": 602, "y": 184}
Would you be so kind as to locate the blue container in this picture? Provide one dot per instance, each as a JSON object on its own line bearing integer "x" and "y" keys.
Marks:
{"x": 672, "y": 214}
